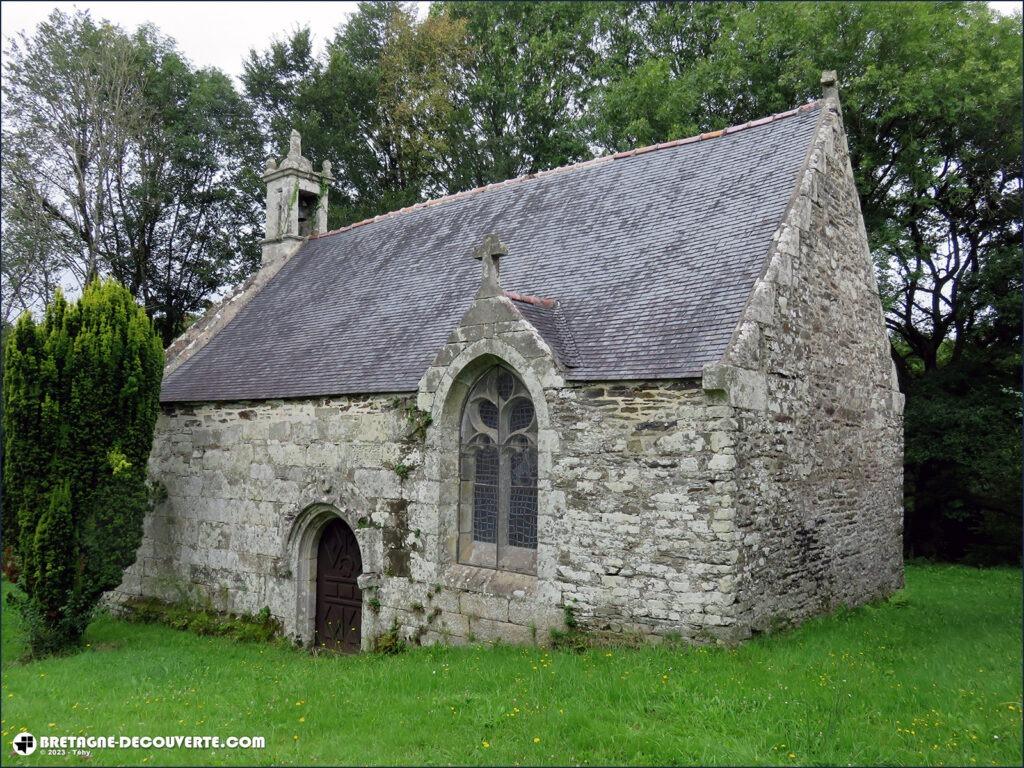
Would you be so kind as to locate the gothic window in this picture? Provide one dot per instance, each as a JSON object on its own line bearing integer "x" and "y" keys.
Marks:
{"x": 498, "y": 475}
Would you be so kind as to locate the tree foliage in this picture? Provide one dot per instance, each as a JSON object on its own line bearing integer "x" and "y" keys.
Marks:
{"x": 379, "y": 106}
{"x": 32, "y": 259}
{"x": 121, "y": 159}
{"x": 272, "y": 80}
{"x": 524, "y": 95}
{"x": 81, "y": 396}
{"x": 407, "y": 109}
{"x": 72, "y": 101}
{"x": 932, "y": 103}
{"x": 963, "y": 463}
{"x": 188, "y": 195}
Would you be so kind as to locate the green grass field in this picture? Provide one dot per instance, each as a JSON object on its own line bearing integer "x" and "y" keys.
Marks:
{"x": 933, "y": 676}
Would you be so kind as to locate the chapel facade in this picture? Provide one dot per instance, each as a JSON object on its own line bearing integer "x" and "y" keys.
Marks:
{"x": 654, "y": 389}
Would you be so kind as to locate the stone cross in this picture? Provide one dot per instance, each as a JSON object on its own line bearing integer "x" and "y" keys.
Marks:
{"x": 488, "y": 253}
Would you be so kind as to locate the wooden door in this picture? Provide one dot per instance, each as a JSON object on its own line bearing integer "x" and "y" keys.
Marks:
{"x": 339, "y": 601}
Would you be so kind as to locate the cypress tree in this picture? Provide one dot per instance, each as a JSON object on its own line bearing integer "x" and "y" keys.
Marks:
{"x": 25, "y": 459}
{"x": 81, "y": 394}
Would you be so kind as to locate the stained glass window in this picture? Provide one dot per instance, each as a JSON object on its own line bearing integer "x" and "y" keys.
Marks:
{"x": 498, "y": 514}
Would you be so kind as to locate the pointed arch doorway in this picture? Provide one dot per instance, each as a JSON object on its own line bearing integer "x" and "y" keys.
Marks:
{"x": 339, "y": 601}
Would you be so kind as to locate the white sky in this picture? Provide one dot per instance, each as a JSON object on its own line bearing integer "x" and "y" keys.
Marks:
{"x": 218, "y": 34}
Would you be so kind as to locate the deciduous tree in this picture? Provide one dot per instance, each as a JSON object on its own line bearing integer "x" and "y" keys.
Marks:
{"x": 524, "y": 93}
{"x": 381, "y": 108}
{"x": 187, "y": 196}
{"x": 72, "y": 102}
{"x": 272, "y": 80}
{"x": 121, "y": 159}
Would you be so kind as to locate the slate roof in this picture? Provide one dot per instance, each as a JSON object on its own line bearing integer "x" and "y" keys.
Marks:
{"x": 650, "y": 254}
{"x": 549, "y": 320}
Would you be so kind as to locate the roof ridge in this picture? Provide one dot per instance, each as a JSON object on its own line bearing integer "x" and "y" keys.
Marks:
{"x": 728, "y": 131}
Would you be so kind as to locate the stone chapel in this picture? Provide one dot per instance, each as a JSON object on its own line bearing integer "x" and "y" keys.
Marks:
{"x": 653, "y": 389}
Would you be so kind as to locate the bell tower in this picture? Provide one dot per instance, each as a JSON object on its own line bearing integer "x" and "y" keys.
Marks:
{"x": 296, "y": 201}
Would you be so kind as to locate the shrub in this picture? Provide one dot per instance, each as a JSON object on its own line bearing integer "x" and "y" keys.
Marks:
{"x": 391, "y": 642}
{"x": 259, "y": 628}
{"x": 81, "y": 396}
{"x": 572, "y": 638}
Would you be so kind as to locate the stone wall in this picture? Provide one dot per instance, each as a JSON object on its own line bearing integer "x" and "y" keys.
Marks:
{"x": 635, "y": 535}
{"x": 645, "y": 542}
{"x": 238, "y": 479}
{"x": 820, "y": 441}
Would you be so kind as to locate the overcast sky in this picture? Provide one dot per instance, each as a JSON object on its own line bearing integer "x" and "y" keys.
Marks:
{"x": 210, "y": 34}
{"x": 217, "y": 34}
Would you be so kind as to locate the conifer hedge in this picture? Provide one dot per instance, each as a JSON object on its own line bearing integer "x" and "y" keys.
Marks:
{"x": 81, "y": 397}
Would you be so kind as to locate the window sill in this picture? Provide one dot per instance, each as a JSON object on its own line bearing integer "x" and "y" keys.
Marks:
{"x": 492, "y": 581}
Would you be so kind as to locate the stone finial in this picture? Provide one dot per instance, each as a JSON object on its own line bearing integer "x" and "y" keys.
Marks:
{"x": 295, "y": 144}
{"x": 488, "y": 252}
{"x": 828, "y": 85}
{"x": 326, "y": 168}
{"x": 271, "y": 166}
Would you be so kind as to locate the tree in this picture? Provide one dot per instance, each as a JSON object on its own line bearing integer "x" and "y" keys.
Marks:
{"x": 523, "y": 103}
{"x": 963, "y": 463}
{"x": 378, "y": 107}
{"x": 72, "y": 99}
{"x": 650, "y": 53}
{"x": 121, "y": 159}
{"x": 381, "y": 107}
{"x": 272, "y": 79}
{"x": 31, "y": 267}
{"x": 187, "y": 194}
{"x": 931, "y": 101}
{"x": 408, "y": 109}
{"x": 81, "y": 397}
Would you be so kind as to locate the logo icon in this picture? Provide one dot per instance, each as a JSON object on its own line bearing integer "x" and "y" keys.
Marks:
{"x": 24, "y": 743}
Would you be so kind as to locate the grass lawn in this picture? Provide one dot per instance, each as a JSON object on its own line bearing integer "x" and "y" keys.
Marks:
{"x": 932, "y": 677}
